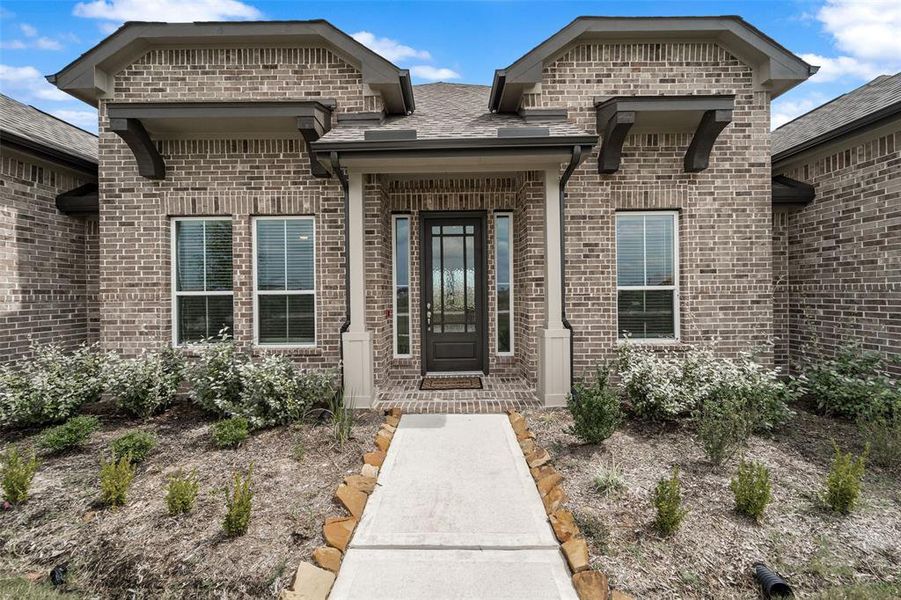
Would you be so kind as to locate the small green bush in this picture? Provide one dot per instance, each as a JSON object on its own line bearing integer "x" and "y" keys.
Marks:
{"x": 214, "y": 375}
{"x": 115, "y": 480}
{"x": 668, "y": 502}
{"x": 181, "y": 492}
{"x": 17, "y": 474}
{"x": 884, "y": 435}
{"x": 843, "y": 481}
{"x": 50, "y": 387}
{"x": 229, "y": 433}
{"x": 70, "y": 435}
{"x": 135, "y": 444}
{"x": 146, "y": 385}
{"x": 238, "y": 505}
{"x": 853, "y": 384}
{"x": 751, "y": 488}
{"x": 595, "y": 409}
{"x": 724, "y": 423}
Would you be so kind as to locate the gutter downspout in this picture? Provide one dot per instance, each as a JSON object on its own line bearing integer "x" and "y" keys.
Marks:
{"x": 342, "y": 178}
{"x": 564, "y": 179}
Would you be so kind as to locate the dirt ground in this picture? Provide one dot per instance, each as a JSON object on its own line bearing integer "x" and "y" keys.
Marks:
{"x": 711, "y": 556}
{"x": 139, "y": 551}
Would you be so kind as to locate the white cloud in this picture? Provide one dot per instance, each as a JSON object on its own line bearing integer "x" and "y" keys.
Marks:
{"x": 28, "y": 83}
{"x": 841, "y": 67}
{"x": 868, "y": 30}
{"x": 391, "y": 50}
{"x": 114, "y": 12}
{"x": 86, "y": 119}
{"x": 44, "y": 43}
{"x": 13, "y": 45}
{"x": 28, "y": 30}
{"x": 33, "y": 41}
{"x": 430, "y": 73}
{"x": 787, "y": 109}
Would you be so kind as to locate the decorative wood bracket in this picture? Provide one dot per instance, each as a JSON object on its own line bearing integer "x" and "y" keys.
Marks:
{"x": 132, "y": 132}
{"x": 83, "y": 200}
{"x": 616, "y": 129}
{"x": 313, "y": 126}
{"x": 697, "y": 157}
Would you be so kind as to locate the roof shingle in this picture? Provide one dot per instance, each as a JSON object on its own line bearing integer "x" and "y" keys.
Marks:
{"x": 37, "y": 126}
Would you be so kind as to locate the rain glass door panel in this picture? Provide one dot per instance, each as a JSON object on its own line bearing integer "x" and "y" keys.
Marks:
{"x": 453, "y": 299}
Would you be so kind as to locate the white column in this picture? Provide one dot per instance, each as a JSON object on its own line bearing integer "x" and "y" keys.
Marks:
{"x": 359, "y": 385}
{"x": 553, "y": 345}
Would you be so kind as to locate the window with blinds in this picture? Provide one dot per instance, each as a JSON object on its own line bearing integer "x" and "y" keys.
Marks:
{"x": 202, "y": 278}
{"x": 401, "y": 245}
{"x": 285, "y": 281}
{"x": 647, "y": 275}
{"x": 503, "y": 233}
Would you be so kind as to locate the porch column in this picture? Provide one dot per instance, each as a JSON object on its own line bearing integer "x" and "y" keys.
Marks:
{"x": 553, "y": 344}
{"x": 359, "y": 387}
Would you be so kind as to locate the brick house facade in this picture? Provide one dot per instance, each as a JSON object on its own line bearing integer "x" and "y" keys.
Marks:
{"x": 196, "y": 121}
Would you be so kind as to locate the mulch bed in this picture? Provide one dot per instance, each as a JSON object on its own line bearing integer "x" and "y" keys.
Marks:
{"x": 711, "y": 555}
{"x": 139, "y": 551}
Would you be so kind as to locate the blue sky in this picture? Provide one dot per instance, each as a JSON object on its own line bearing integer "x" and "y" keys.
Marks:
{"x": 852, "y": 40}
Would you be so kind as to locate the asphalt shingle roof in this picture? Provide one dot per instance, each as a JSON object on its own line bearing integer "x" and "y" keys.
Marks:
{"x": 876, "y": 95}
{"x": 39, "y": 127}
{"x": 451, "y": 111}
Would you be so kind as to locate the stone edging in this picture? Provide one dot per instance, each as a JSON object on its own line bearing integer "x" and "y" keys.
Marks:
{"x": 589, "y": 584}
{"x": 313, "y": 582}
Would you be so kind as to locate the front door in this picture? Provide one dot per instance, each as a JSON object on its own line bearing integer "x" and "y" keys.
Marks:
{"x": 454, "y": 296}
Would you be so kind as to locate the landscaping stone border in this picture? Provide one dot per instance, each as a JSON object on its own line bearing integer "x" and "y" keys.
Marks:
{"x": 312, "y": 582}
{"x": 589, "y": 584}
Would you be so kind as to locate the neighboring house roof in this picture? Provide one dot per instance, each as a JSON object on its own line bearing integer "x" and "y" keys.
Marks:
{"x": 869, "y": 104}
{"x": 91, "y": 75}
{"x": 776, "y": 68}
{"x": 447, "y": 111}
{"x": 37, "y": 132}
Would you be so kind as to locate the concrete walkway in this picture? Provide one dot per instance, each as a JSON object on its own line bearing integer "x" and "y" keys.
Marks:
{"x": 456, "y": 516}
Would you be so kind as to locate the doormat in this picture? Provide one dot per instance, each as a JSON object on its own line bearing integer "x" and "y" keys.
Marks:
{"x": 450, "y": 383}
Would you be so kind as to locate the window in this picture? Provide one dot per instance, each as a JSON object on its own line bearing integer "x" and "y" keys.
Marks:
{"x": 201, "y": 278}
{"x": 284, "y": 281}
{"x": 503, "y": 233}
{"x": 647, "y": 275}
{"x": 401, "y": 244}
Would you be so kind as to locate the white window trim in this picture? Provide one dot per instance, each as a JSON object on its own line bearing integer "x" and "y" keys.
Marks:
{"x": 394, "y": 220}
{"x": 257, "y": 293}
{"x": 675, "y": 287}
{"x": 173, "y": 268}
{"x": 506, "y": 215}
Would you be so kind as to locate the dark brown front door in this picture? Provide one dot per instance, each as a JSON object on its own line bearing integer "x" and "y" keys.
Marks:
{"x": 454, "y": 294}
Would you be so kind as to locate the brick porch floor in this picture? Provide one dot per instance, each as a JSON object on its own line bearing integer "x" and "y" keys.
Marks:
{"x": 498, "y": 394}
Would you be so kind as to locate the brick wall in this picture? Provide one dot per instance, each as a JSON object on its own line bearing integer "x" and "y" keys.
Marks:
{"x": 844, "y": 250}
{"x": 233, "y": 177}
{"x": 47, "y": 259}
{"x": 725, "y": 227}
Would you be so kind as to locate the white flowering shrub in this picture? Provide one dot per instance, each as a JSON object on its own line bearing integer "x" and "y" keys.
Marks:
{"x": 51, "y": 386}
{"x": 215, "y": 374}
{"x": 674, "y": 384}
{"x": 147, "y": 384}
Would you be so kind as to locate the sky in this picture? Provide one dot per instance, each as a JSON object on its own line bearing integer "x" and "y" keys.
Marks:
{"x": 852, "y": 41}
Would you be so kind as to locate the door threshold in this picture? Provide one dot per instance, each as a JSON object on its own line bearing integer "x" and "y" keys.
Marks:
{"x": 455, "y": 374}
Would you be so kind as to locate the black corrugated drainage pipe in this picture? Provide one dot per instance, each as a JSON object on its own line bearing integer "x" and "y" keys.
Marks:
{"x": 342, "y": 177}
{"x": 573, "y": 163}
{"x": 772, "y": 585}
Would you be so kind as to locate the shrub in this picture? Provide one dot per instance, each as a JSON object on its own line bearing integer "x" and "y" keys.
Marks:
{"x": 215, "y": 376}
{"x": 270, "y": 393}
{"x": 669, "y": 385}
{"x": 884, "y": 435}
{"x": 853, "y": 384}
{"x": 342, "y": 417}
{"x": 70, "y": 435}
{"x": 50, "y": 387}
{"x": 751, "y": 488}
{"x": 17, "y": 474}
{"x": 147, "y": 384}
{"x": 181, "y": 492}
{"x": 724, "y": 425}
{"x": 229, "y": 433}
{"x": 136, "y": 445}
{"x": 115, "y": 479}
{"x": 843, "y": 481}
{"x": 668, "y": 502}
{"x": 595, "y": 409}
{"x": 238, "y": 501}
{"x": 609, "y": 479}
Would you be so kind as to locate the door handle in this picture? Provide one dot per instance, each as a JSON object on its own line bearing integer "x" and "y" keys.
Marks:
{"x": 428, "y": 315}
